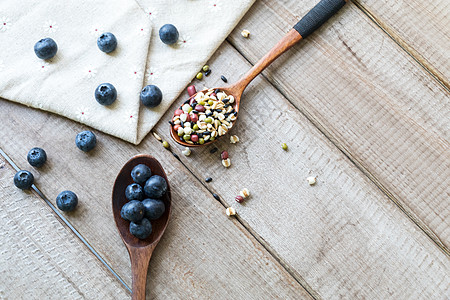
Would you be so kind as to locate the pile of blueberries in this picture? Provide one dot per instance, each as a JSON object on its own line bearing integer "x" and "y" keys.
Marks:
{"x": 145, "y": 202}
{"x": 66, "y": 200}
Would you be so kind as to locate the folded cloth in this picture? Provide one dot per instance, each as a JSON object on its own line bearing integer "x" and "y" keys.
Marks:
{"x": 65, "y": 84}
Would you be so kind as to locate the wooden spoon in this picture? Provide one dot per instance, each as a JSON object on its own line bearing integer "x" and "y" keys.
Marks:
{"x": 318, "y": 15}
{"x": 140, "y": 251}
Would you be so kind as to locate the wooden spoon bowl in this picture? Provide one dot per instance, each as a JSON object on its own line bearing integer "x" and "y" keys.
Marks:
{"x": 230, "y": 90}
{"x": 140, "y": 251}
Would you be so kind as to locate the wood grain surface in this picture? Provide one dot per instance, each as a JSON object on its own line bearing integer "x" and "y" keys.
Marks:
{"x": 343, "y": 236}
{"x": 200, "y": 244}
{"x": 422, "y": 27}
{"x": 41, "y": 258}
{"x": 370, "y": 98}
{"x": 363, "y": 105}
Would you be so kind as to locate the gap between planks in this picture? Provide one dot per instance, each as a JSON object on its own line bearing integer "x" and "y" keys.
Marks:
{"x": 415, "y": 55}
{"x": 297, "y": 277}
{"x": 66, "y": 222}
{"x": 359, "y": 164}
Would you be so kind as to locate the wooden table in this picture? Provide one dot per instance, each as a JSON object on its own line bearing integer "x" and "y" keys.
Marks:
{"x": 363, "y": 105}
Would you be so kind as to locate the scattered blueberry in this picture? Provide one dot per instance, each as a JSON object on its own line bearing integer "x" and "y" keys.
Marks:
{"x": 45, "y": 48}
{"x": 23, "y": 180}
{"x": 208, "y": 179}
{"x": 37, "y": 157}
{"x": 86, "y": 141}
{"x": 107, "y": 42}
{"x": 134, "y": 192}
{"x": 132, "y": 211}
{"x": 151, "y": 96}
{"x": 153, "y": 209}
{"x": 105, "y": 94}
{"x": 141, "y": 173}
{"x": 142, "y": 229}
{"x": 155, "y": 187}
{"x": 168, "y": 34}
{"x": 67, "y": 201}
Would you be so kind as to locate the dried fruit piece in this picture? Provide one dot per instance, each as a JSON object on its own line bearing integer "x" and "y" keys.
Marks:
{"x": 311, "y": 180}
{"x": 245, "y": 193}
{"x": 245, "y": 33}
{"x": 226, "y": 162}
{"x": 230, "y": 211}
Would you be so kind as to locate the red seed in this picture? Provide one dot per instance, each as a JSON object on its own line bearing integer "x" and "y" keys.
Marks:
{"x": 191, "y": 90}
{"x": 178, "y": 112}
{"x": 194, "y": 138}
{"x": 188, "y": 118}
{"x": 176, "y": 127}
{"x": 192, "y": 100}
{"x": 200, "y": 108}
{"x": 194, "y": 118}
{"x": 224, "y": 155}
{"x": 239, "y": 199}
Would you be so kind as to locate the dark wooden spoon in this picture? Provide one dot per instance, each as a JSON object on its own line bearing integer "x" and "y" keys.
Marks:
{"x": 140, "y": 251}
{"x": 318, "y": 15}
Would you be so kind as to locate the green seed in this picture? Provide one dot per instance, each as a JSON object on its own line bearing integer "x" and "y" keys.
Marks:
{"x": 195, "y": 127}
{"x": 205, "y": 68}
{"x": 190, "y": 109}
{"x": 284, "y": 146}
{"x": 201, "y": 141}
{"x": 202, "y": 103}
{"x": 210, "y": 102}
{"x": 208, "y": 120}
{"x": 212, "y": 138}
{"x": 199, "y": 76}
{"x": 186, "y": 137}
{"x": 166, "y": 144}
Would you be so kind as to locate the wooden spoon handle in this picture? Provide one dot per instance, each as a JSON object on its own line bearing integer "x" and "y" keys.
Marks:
{"x": 318, "y": 15}
{"x": 140, "y": 259}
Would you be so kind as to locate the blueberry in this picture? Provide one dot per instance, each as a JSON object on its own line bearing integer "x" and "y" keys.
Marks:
{"x": 105, "y": 94}
{"x": 67, "y": 201}
{"x": 134, "y": 192}
{"x": 23, "y": 180}
{"x": 151, "y": 96}
{"x": 153, "y": 209}
{"x": 142, "y": 229}
{"x": 86, "y": 141}
{"x": 37, "y": 157}
{"x": 155, "y": 187}
{"x": 107, "y": 42}
{"x": 168, "y": 34}
{"x": 132, "y": 211}
{"x": 45, "y": 48}
{"x": 141, "y": 173}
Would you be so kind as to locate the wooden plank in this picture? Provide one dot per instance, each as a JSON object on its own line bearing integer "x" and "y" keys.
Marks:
{"x": 41, "y": 259}
{"x": 343, "y": 236}
{"x": 421, "y": 27}
{"x": 202, "y": 255}
{"x": 370, "y": 98}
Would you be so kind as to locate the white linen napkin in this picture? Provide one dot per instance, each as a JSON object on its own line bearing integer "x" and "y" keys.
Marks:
{"x": 65, "y": 84}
